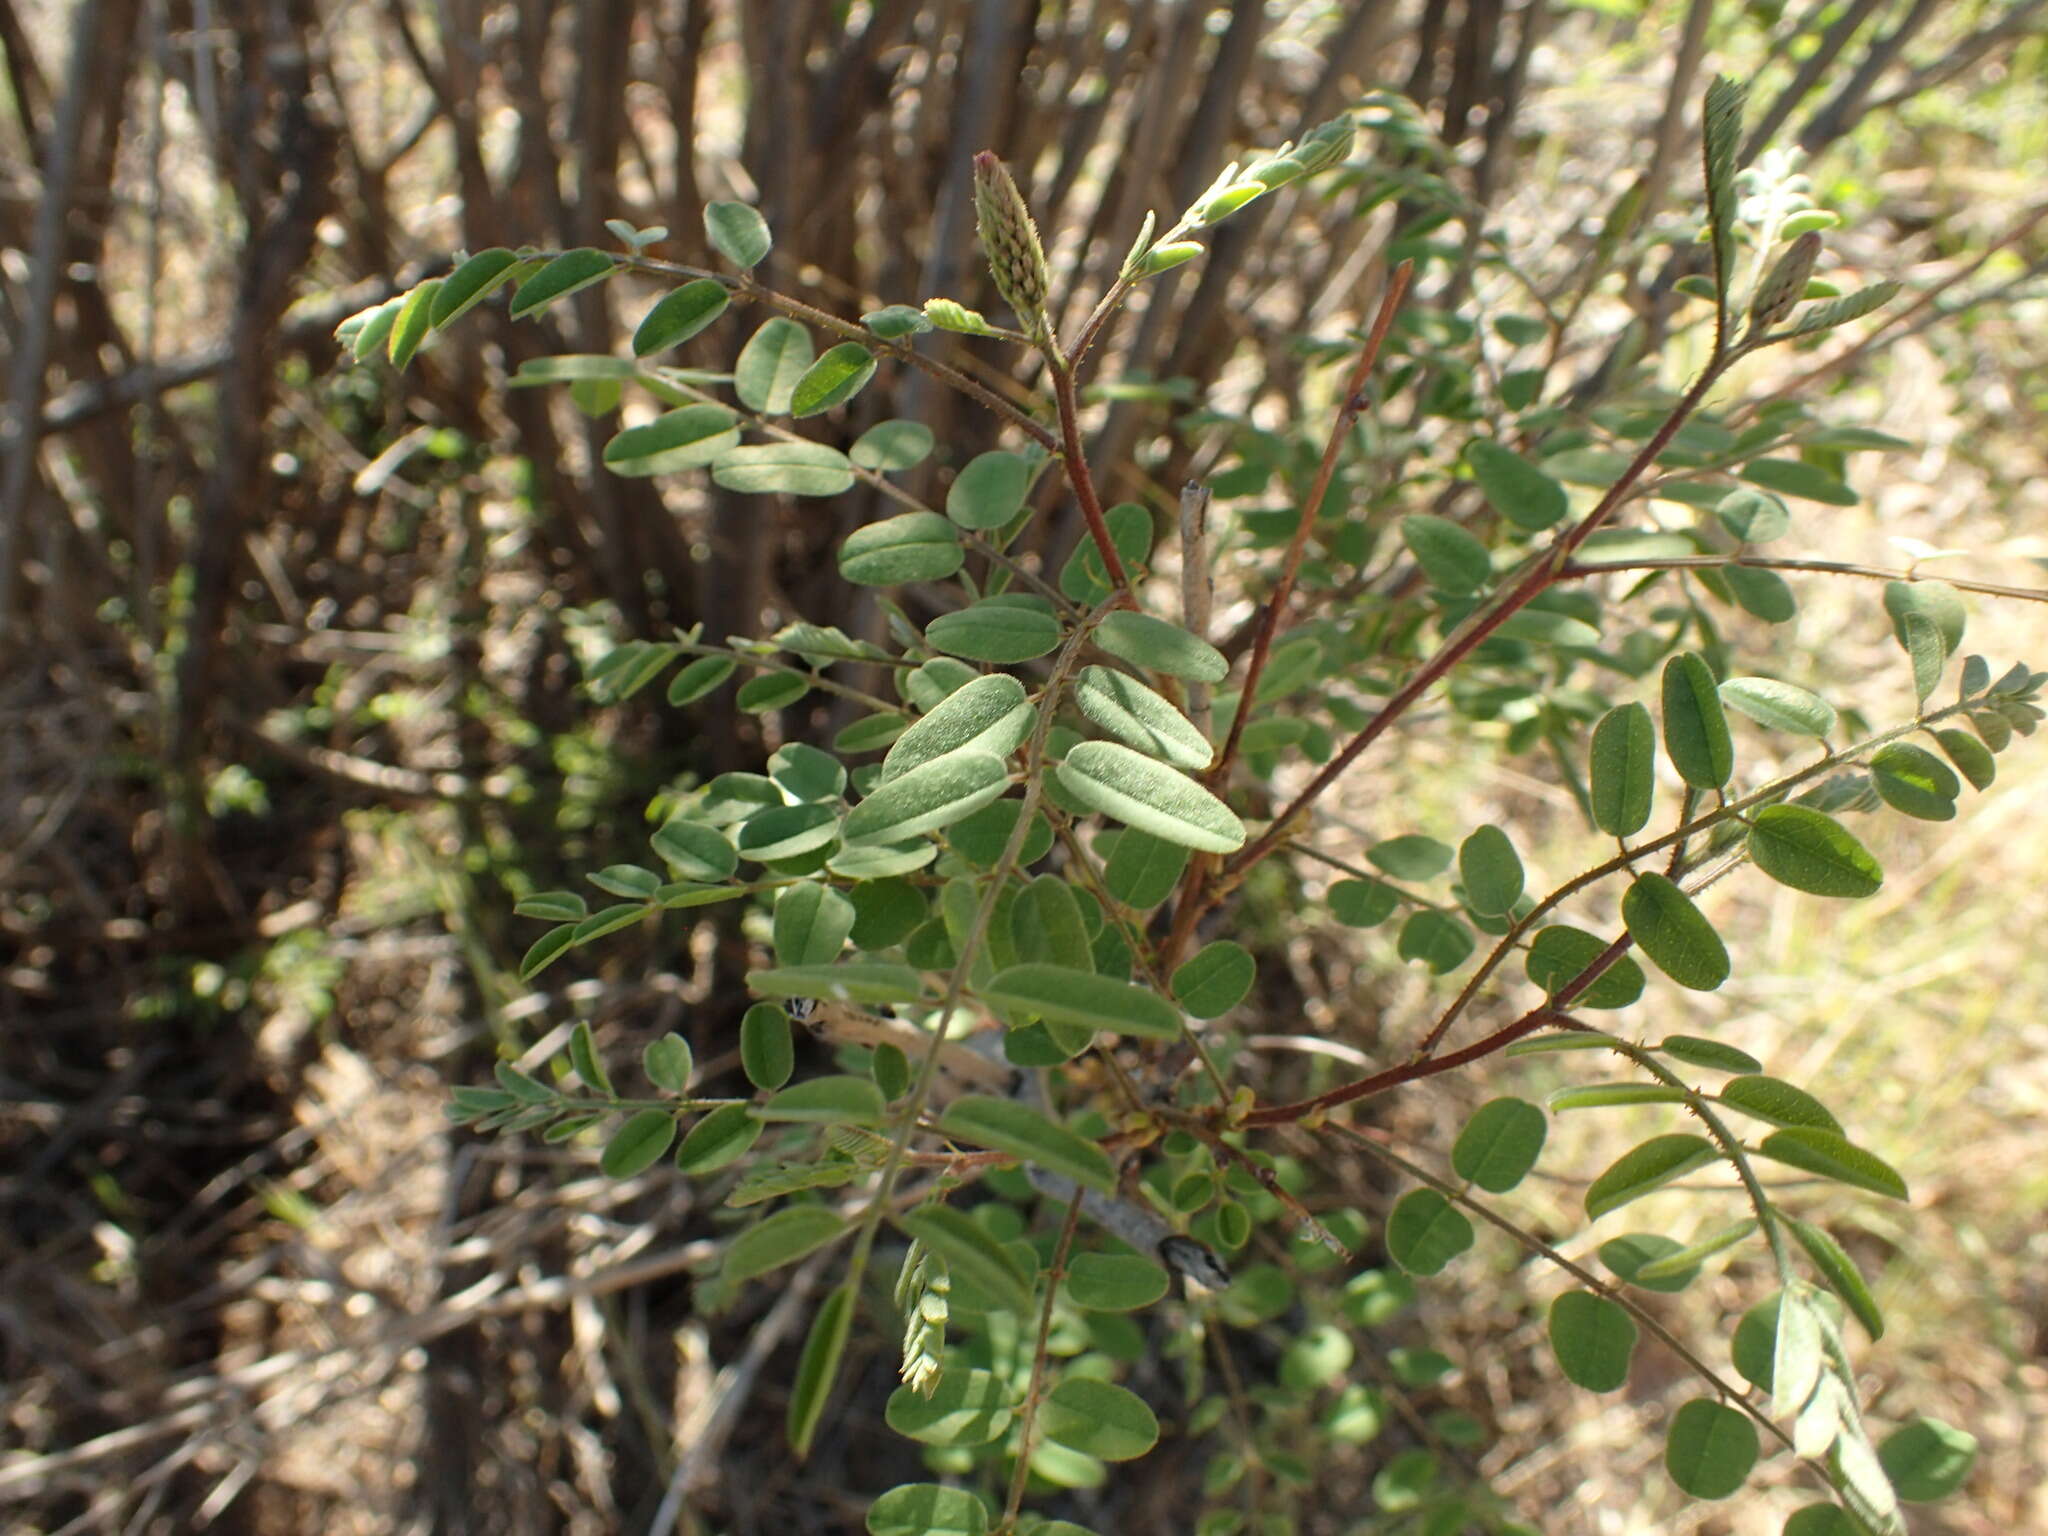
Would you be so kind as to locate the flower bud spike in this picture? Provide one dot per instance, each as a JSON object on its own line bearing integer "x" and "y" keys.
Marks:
{"x": 1016, "y": 259}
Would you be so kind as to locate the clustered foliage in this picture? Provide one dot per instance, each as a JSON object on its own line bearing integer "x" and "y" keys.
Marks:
{"x": 988, "y": 891}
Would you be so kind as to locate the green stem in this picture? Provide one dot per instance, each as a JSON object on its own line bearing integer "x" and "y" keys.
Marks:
{"x": 1731, "y": 1147}
{"x": 908, "y": 1117}
{"x": 745, "y": 286}
{"x": 1027, "y": 1420}
{"x": 1647, "y": 1319}
{"x": 1674, "y": 839}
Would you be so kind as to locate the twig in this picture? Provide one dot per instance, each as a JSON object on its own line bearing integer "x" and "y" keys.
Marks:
{"x": 25, "y": 384}
{"x": 1197, "y": 588}
{"x": 1075, "y": 463}
{"x": 1675, "y": 840}
{"x": 703, "y": 1437}
{"x": 1353, "y": 405}
{"x": 1027, "y": 1420}
{"x": 1780, "y": 563}
{"x": 1542, "y": 573}
{"x": 1529, "y": 1240}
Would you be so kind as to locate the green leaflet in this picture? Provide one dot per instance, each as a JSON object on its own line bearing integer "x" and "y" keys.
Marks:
{"x": 1002, "y": 630}
{"x": 891, "y": 445}
{"x": 835, "y": 1100}
{"x": 927, "y": 1509}
{"x": 832, "y": 380}
{"x": 1100, "y": 1418}
{"x": 818, "y": 1367}
{"x": 1624, "y": 770}
{"x": 566, "y": 274}
{"x": 413, "y": 322}
{"x": 470, "y": 283}
{"x": 683, "y": 439}
{"x": 1491, "y": 872}
{"x": 1781, "y": 706}
{"x": 1009, "y": 1126}
{"x": 1451, "y": 558}
{"x": 1670, "y": 930}
{"x": 767, "y": 1054}
{"x": 1593, "y": 1338}
{"x": 781, "y": 1238}
{"x": 915, "y": 546}
{"x": 1645, "y": 1168}
{"x": 680, "y": 315}
{"x": 989, "y": 490}
{"x": 1927, "y": 1459}
{"x": 738, "y": 233}
{"x": 1114, "y": 1282}
{"x": 1641, "y": 1258}
{"x": 1109, "y": 777}
{"x": 1833, "y": 1156}
{"x": 930, "y": 796}
{"x": 1059, "y": 995}
{"x": 667, "y": 1061}
{"x": 1559, "y": 954}
{"x": 1437, "y": 939}
{"x": 1143, "y": 870}
{"x": 1794, "y": 477}
{"x": 700, "y": 677}
{"x": 1712, "y": 1054}
{"x": 1810, "y": 851}
{"x": 765, "y": 374}
{"x": 1148, "y": 642}
{"x": 638, "y": 1144}
{"x": 1140, "y": 718}
{"x": 1515, "y": 488}
{"x": 873, "y": 982}
{"x": 970, "y": 1407}
{"x": 986, "y": 715}
{"x": 1425, "y": 1232}
{"x": 1412, "y": 856}
{"x": 1215, "y": 979}
{"x": 1500, "y": 1144}
{"x": 1709, "y": 1448}
{"x": 1914, "y": 781}
{"x": 1841, "y": 1274}
{"x": 1695, "y": 729}
{"x": 720, "y": 1138}
{"x": 783, "y": 469}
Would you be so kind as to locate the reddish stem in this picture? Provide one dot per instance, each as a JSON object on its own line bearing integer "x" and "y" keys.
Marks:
{"x": 1076, "y": 465}
{"x": 1411, "y": 1070}
{"x": 1276, "y": 606}
{"x": 1541, "y": 575}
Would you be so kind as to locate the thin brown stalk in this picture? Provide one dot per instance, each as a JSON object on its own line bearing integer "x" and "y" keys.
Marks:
{"x": 1616, "y": 1294}
{"x": 1541, "y": 574}
{"x": 1675, "y": 841}
{"x": 1027, "y": 1420}
{"x": 1075, "y": 462}
{"x": 747, "y": 287}
{"x": 1827, "y": 567}
{"x": 1419, "y": 1067}
{"x": 1348, "y": 412}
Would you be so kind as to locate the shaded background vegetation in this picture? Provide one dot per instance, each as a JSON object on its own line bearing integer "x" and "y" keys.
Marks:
{"x": 291, "y": 699}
